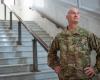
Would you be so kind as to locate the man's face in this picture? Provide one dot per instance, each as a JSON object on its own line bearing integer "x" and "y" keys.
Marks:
{"x": 73, "y": 15}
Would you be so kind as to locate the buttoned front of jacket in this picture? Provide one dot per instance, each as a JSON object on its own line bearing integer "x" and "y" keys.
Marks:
{"x": 74, "y": 47}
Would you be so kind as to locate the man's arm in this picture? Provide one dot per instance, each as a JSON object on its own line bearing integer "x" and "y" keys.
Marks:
{"x": 52, "y": 54}
{"x": 94, "y": 43}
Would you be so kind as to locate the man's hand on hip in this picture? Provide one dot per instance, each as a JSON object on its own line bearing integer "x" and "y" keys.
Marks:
{"x": 89, "y": 71}
{"x": 57, "y": 69}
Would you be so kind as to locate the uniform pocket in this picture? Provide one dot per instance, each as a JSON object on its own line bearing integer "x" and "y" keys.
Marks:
{"x": 68, "y": 71}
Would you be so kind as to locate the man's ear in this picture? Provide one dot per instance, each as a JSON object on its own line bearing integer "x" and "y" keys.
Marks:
{"x": 66, "y": 16}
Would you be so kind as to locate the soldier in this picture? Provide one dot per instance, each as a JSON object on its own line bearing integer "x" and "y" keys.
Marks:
{"x": 75, "y": 45}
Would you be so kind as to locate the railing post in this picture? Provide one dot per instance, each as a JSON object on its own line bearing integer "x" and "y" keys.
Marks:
{"x": 35, "y": 60}
{"x": 5, "y": 12}
{"x": 19, "y": 33}
{"x": 10, "y": 20}
{"x": 2, "y": 1}
{"x": 14, "y": 2}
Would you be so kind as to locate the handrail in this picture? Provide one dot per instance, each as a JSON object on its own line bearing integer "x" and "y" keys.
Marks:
{"x": 43, "y": 44}
{"x": 35, "y": 40}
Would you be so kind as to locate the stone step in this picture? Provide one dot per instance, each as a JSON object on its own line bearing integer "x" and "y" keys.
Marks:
{"x": 14, "y": 41}
{"x": 16, "y": 22}
{"x": 46, "y": 75}
{"x": 5, "y": 34}
{"x": 15, "y": 35}
{"x": 40, "y": 33}
{"x": 25, "y": 39}
{"x": 20, "y": 50}
{"x": 26, "y": 43}
{"x": 7, "y": 69}
{"x": 22, "y": 54}
{"x": 32, "y": 26}
{"x": 14, "y": 47}
{"x": 25, "y": 34}
{"x": 14, "y": 44}
{"x": 37, "y": 32}
{"x": 14, "y": 51}
{"x": 24, "y": 29}
{"x": 21, "y": 60}
{"x": 16, "y": 27}
{"x": 16, "y": 68}
{"x": 11, "y": 33}
{"x": 28, "y": 35}
{"x": 17, "y": 49}
{"x": 15, "y": 60}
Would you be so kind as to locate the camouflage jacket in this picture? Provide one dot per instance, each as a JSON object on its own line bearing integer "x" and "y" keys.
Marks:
{"x": 75, "y": 48}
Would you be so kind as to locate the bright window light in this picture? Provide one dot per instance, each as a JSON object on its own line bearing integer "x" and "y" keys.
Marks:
{"x": 27, "y": 3}
{"x": 9, "y": 2}
{"x": 39, "y": 3}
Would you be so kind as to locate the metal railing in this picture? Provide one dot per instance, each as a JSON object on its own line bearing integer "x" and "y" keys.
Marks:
{"x": 35, "y": 40}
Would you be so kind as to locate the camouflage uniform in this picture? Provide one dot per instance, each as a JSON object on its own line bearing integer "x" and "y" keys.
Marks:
{"x": 75, "y": 47}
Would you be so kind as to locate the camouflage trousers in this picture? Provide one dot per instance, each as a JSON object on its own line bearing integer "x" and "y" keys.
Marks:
{"x": 61, "y": 77}
{"x": 73, "y": 78}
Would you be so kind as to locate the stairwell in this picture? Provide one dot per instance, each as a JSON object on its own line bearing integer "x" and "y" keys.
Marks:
{"x": 16, "y": 60}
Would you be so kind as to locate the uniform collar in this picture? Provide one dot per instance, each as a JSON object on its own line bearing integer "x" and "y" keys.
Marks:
{"x": 74, "y": 32}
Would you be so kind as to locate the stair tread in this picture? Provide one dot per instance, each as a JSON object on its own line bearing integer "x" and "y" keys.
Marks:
{"x": 20, "y": 49}
{"x": 25, "y": 73}
{"x": 14, "y": 65}
{"x": 15, "y": 45}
